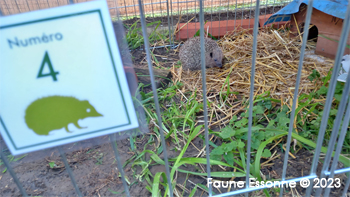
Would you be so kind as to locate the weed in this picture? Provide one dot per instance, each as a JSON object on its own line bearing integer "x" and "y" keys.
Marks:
{"x": 10, "y": 159}
{"x": 114, "y": 192}
{"x": 52, "y": 164}
{"x": 99, "y": 158}
{"x": 134, "y": 35}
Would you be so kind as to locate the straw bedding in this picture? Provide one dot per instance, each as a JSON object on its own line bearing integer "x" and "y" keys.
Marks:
{"x": 276, "y": 70}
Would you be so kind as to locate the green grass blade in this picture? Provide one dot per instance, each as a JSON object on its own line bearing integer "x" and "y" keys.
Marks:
{"x": 156, "y": 182}
{"x": 193, "y": 191}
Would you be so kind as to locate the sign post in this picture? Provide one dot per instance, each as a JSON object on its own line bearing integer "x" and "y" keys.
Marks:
{"x": 61, "y": 78}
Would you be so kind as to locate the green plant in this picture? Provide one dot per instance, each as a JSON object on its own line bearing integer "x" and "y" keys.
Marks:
{"x": 134, "y": 35}
{"x": 270, "y": 124}
{"x": 10, "y": 159}
{"x": 52, "y": 164}
{"x": 99, "y": 158}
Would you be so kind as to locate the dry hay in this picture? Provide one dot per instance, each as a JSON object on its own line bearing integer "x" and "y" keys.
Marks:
{"x": 276, "y": 70}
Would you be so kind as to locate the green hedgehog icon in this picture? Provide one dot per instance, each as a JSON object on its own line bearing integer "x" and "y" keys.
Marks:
{"x": 55, "y": 112}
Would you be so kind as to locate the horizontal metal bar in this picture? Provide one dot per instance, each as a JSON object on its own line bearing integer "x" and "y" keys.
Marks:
{"x": 339, "y": 171}
{"x": 138, "y": 5}
{"x": 251, "y": 189}
{"x": 128, "y": 6}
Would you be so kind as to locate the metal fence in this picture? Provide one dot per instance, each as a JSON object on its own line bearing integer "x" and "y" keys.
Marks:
{"x": 130, "y": 8}
{"x": 143, "y": 8}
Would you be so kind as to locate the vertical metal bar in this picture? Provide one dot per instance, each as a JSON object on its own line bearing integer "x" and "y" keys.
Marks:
{"x": 265, "y": 12}
{"x": 187, "y": 17}
{"x": 155, "y": 96}
{"x": 17, "y": 6}
{"x": 251, "y": 95}
{"x": 235, "y": 15}
{"x": 12, "y": 173}
{"x": 211, "y": 18}
{"x": 347, "y": 185}
{"x": 167, "y": 11}
{"x": 273, "y": 8}
{"x": 126, "y": 12}
{"x": 58, "y": 3}
{"x": 278, "y": 24}
{"x": 160, "y": 6}
{"x": 119, "y": 164}
{"x": 69, "y": 170}
{"x": 1, "y": 13}
{"x": 204, "y": 89}
{"x": 71, "y": 2}
{"x": 152, "y": 8}
{"x": 135, "y": 7}
{"x": 334, "y": 135}
{"x": 219, "y": 19}
{"x": 282, "y": 4}
{"x": 48, "y": 4}
{"x": 195, "y": 14}
{"x": 116, "y": 9}
{"x": 296, "y": 90}
{"x": 178, "y": 8}
{"x": 28, "y": 5}
{"x": 330, "y": 93}
{"x": 250, "y": 12}
{"x": 7, "y": 7}
{"x": 38, "y": 4}
{"x": 242, "y": 14}
{"x": 172, "y": 22}
{"x": 228, "y": 8}
{"x": 341, "y": 137}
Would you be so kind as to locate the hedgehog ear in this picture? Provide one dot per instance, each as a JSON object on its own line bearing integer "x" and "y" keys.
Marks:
{"x": 211, "y": 55}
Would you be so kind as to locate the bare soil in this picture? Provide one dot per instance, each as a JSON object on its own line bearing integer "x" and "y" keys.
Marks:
{"x": 96, "y": 173}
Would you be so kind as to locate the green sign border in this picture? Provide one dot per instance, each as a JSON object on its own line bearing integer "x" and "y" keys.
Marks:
{"x": 115, "y": 71}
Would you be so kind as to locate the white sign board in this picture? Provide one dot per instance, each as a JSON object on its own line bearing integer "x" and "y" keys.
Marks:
{"x": 61, "y": 78}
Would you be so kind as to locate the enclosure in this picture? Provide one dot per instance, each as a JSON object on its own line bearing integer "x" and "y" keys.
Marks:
{"x": 275, "y": 106}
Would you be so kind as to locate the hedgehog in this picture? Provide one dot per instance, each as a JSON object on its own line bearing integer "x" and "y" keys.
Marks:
{"x": 190, "y": 54}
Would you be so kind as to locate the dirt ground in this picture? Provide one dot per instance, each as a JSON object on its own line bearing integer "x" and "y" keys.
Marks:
{"x": 96, "y": 173}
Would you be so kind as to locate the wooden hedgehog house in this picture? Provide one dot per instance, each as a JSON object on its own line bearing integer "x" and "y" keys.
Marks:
{"x": 327, "y": 30}
{"x": 327, "y": 20}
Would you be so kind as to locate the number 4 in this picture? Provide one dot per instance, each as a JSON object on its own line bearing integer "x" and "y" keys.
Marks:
{"x": 52, "y": 72}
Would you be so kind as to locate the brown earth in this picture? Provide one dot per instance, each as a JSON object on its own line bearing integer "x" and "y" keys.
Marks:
{"x": 95, "y": 171}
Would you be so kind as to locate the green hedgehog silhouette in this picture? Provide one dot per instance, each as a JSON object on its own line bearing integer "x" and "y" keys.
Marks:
{"x": 55, "y": 112}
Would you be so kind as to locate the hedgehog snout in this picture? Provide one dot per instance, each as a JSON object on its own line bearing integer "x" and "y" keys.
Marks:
{"x": 218, "y": 63}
